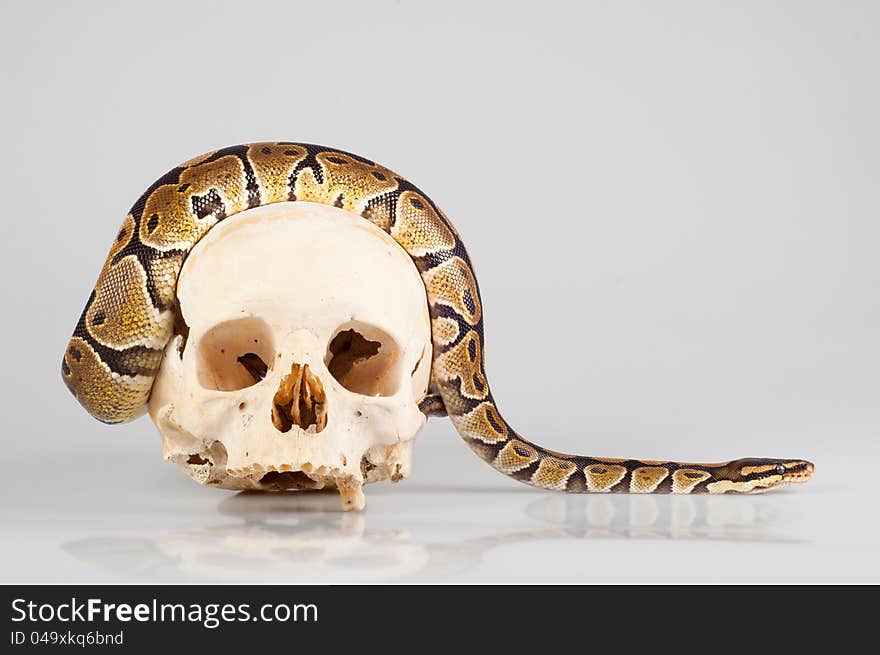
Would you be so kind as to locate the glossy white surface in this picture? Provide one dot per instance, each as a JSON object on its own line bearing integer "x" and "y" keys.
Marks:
{"x": 146, "y": 522}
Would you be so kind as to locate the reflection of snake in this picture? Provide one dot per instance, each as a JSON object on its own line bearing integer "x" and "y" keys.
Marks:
{"x": 117, "y": 346}
{"x": 303, "y": 539}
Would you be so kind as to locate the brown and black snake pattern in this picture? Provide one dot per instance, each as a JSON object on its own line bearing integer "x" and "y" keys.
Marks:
{"x": 117, "y": 346}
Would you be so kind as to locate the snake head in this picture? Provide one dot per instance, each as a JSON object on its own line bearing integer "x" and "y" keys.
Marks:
{"x": 758, "y": 474}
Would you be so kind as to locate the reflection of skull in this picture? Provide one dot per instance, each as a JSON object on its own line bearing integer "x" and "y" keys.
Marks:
{"x": 308, "y": 350}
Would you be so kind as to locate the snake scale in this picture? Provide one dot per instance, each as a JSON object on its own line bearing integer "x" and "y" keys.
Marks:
{"x": 117, "y": 346}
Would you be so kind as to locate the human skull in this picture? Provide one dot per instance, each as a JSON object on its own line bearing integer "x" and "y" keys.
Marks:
{"x": 305, "y": 350}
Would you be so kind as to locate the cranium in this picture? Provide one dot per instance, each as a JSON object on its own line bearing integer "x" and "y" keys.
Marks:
{"x": 305, "y": 350}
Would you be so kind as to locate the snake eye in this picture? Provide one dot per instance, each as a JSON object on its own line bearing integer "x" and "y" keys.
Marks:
{"x": 780, "y": 469}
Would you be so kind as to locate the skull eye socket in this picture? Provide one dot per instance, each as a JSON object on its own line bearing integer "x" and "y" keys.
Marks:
{"x": 235, "y": 354}
{"x": 364, "y": 359}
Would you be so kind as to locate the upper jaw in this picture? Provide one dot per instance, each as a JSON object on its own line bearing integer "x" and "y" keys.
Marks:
{"x": 801, "y": 472}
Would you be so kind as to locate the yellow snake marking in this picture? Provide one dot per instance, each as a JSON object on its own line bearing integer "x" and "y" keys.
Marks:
{"x": 347, "y": 183}
{"x": 457, "y": 405}
{"x": 122, "y": 314}
{"x": 515, "y": 456}
{"x": 484, "y": 424}
{"x": 163, "y": 271}
{"x": 646, "y": 479}
{"x": 308, "y": 188}
{"x": 273, "y": 166}
{"x": 762, "y": 468}
{"x": 224, "y": 175}
{"x": 419, "y": 229}
{"x": 553, "y": 473}
{"x": 444, "y": 330}
{"x": 602, "y": 477}
{"x": 99, "y": 391}
{"x": 745, "y": 486}
{"x": 168, "y": 221}
{"x": 381, "y": 215}
{"x": 452, "y": 284}
{"x": 350, "y": 183}
{"x": 684, "y": 480}
{"x": 464, "y": 362}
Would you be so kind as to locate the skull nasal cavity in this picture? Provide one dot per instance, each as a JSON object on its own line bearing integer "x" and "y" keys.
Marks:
{"x": 300, "y": 400}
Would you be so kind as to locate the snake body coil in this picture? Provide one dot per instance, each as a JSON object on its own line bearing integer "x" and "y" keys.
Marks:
{"x": 117, "y": 346}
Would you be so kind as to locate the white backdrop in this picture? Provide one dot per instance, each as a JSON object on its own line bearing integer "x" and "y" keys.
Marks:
{"x": 672, "y": 209}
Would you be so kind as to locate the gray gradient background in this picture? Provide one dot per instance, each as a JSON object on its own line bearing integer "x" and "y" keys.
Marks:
{"x": 673, "y": 212}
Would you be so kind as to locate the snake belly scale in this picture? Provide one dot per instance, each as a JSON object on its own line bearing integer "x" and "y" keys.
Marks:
{"x": 118, "y": 343}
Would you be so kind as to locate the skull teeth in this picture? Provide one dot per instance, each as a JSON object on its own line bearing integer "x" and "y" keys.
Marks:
{"x": 300, "y": 400}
